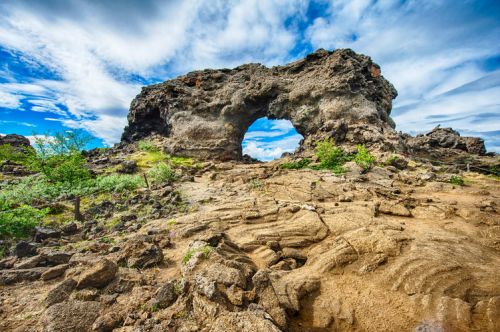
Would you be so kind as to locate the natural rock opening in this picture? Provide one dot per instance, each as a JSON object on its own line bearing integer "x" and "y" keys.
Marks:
{"x": 267, "y": 139}
{"x": 205, "y": 114}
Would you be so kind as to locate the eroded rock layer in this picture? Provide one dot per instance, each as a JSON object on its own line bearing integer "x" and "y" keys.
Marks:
{"x": 206, "y": 113}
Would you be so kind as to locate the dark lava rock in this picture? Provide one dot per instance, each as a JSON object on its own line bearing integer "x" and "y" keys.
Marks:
{"x": 25, "y": 249}
{"x": 43, "y": 233}
{"x": 166, "y": 295}
{"x": 69, "y": 228}
{"x": 16, "y": 141}
{"x": 128, "y": 167}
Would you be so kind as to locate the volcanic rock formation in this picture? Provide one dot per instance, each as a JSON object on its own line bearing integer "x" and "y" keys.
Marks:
{"x": 206, "y": 113}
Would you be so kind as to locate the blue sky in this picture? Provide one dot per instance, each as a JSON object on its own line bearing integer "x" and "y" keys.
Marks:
{"x": 67, "y": 64}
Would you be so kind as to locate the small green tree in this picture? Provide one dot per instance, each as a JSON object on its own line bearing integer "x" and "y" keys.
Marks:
{"x": 60, "y": 160}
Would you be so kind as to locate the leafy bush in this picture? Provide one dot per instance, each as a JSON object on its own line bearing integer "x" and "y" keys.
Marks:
{"x": 19, "y": 222}
{"x": 161, "y": 173}
{"x": 7, "y": 152}
{"x": 296, "y": 164}
{"x": 330, "y": 156}
{"x": 457, "y": 180}
{"x": 364, "y": 158}
{"x": 147, "y": 146}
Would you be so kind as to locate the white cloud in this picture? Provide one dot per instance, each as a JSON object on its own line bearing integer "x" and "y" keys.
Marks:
{"x": 95, "y": 49}
{"x": 270, "y": 150}
{"x": 19, "y": 123}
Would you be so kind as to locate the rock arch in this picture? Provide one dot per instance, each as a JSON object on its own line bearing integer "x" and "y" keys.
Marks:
{"x": 206, "y": 113}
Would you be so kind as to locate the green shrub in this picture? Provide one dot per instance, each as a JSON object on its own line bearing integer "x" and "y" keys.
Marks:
{"x": 29, "y": 190}
{"x": 330, "y": 156}
{"x": 364, "y": 158}
{"x": 19, "y": 222}
{"x": 147, "y": 146}
{"x": 116, "y": 183}
{"x": 457, "y": 180}
{"x": 161, "y": 173}
{"x": 303, "y": 163}
{"x": 7, "y": 152}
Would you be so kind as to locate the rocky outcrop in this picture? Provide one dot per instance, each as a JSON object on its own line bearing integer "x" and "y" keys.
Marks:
{"x": 446, "y": 138}
{"x": 206, "y": 113}
{"x": 16, "y": 141}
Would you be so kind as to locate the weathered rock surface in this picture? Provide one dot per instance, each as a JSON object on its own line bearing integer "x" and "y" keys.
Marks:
{"x": 446, "y": 138}
{"x": 70, "y": 316}
{"x": 206, "y": 113}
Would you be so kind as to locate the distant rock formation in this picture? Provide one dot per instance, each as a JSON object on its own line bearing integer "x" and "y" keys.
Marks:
{"x": 446, "y": 138}
{"x": 206, "y": 113}
{"x": 15, "y": 140}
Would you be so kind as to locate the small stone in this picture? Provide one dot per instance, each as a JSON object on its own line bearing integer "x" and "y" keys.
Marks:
{"x": 107, "y": 322}
{"x": 69, "y": 228}
{"x": 166, "y": 295}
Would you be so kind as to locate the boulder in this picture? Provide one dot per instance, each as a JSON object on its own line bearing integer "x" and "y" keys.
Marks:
{"x": 166, "y": 295}
{"x": 18, "y": 142}
{"x": 60, "y": 293}
{"x": 25, "y": 249}
{"x": 43, "y": 233}
{"x": 70, "y": 316}
{"x": 128, "y": 167}
{"x": 98, "y": 275}
{"x": 140, "y": 254}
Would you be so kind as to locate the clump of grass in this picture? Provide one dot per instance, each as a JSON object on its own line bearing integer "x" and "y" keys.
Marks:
{"x": 118, "y": 183}
{"x": 147, "y": 146}
{"x": 302, "y": 163}
{"x": 457, "y": 180}
{"x": 256, "y": 183}
{"x": 205, "y": 250}
{"x": 161, "y": 173}
{"x": 364, "y": 158}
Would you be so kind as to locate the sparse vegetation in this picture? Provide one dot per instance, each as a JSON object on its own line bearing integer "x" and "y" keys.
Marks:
{"x": 364, "y": 158}
{"x": 256, "y": 184}
{"x": 147, "y": 146}
{"x": 205, "y": 250}
{"x": 457, "y": 180}
{"x": 302, "y": 163}
{"x": 161, "y": 173}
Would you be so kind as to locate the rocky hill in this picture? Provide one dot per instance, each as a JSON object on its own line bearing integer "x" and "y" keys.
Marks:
{"x": 407, "y": 241}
